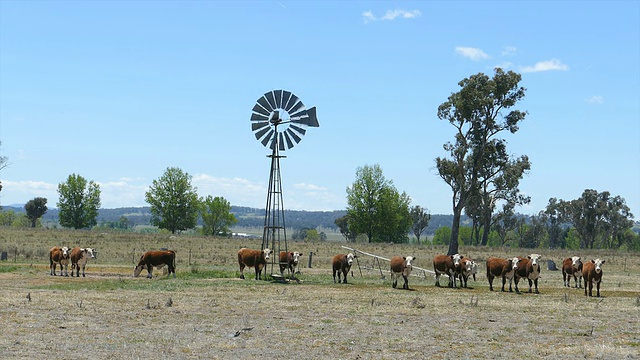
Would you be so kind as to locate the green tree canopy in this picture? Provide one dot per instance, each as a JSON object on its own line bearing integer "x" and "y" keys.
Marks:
{"x": 376, "y": 209}
{"x": 478, "y": 113}
{"x": 35, "y": 208}
{"x": 420, "y": 218}
{"x": 78, "y": 202}
{"x": 343, "y": 225}
{"x": 174, "y": 202}
{"x": 216, "y": 215}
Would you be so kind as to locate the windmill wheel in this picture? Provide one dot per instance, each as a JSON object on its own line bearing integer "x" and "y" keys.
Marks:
{"x": 280, "y": 119}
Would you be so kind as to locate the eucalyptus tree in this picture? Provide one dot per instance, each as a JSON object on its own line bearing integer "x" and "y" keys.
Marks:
{"x": 217, "y": 218}
{"x": 375, "y": 208}
{"x": 35, "y": 209}
{"x": 79, "y": 201}
{"x": 477, "y": 114}
{"x": 174, "y": 201}
{"x": 420, "y": 218}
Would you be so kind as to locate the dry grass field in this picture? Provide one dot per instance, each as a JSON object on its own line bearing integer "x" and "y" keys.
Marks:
{"x": 208, "y": 313}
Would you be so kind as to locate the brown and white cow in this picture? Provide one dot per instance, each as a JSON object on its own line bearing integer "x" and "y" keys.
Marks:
{"x": 529, "y": 269}
{"x": 448, "y": 265}
{"x": 502, "y": 268}
{"x": 468, "y": 267}
{"x": 157, "y": 259}
{"x": 342, "y": 265}
{"x": 289, "y": 260}
{"x": 59, "y": 255}
{"x": 79, "y": 258}
{"x": 592, "y": 272}
{"x": 401, "y": 266}
{"x": 253, "y": 258}
{"x": 572, "y": 267}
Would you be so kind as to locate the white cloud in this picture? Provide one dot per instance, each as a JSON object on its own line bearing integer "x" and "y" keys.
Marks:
{"x": 548, "y": 65}
{"x": 509, "y": 50}
{"x": 368, "y": 15}
{"x": 474, "y": 54}
{"x": 596, "y": 99}
{"x": 304, "y": 186}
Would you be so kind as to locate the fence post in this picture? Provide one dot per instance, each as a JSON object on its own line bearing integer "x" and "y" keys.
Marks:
{"x": 310, "y": 257}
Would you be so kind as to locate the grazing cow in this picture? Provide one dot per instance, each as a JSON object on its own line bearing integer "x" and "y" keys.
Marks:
{"x": 342, "y": 265}
{"x": 529, "y": 269}
{"x": 401, "y": 266}
{"x": 59, "y": 255}
{"x": 467, "y": 267}
{"x": 449, "y": 265}
{"x": 253, "y": 258}
{"x": 289, "y": 260}
{"x": 79, "y": 257}
{"x": 572, "y": 266}
{"x": 157, "y": 259}
{"x": 500, "y": 267}
{"x": 592, "y": 271}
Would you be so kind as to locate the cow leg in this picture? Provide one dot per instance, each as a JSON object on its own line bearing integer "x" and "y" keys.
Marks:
{"x": 516, "y": 280}
{"x": 579, "y": 282}
{"x": 530, "y": 285}
{"x": 437, "y": 279}
{"x": 406, "y": 283}
{"x": 535, "y": 282}
{"x": 149, "y": 271}
{"x": 598, "y": 288}
{"x": 394, "y": 280}
{"x": 52, "y": 269}
{"x": 490, "y": 278}
{"x": 344, "y": 276}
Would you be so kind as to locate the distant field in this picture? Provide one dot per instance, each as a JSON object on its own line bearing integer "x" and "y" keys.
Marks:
{"x": 202, "y": 313}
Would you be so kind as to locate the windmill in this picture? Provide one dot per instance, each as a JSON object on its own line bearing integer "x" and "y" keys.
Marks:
{"x": 279, "y": 121}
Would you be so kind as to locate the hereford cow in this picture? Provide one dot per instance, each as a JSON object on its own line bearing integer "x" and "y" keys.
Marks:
{"x": 342, "y": 265}
{"x": 289, "y": 260}
{"x": 448, "y": 265}
{"x": 79, "y": 258}
{"x": 572, "y": 267}
{"x": 253, "y": 258}
{"x": 401, "y": 266}
{"x": 467, "y": 267}
{"x": 157, "y": 259}
{"x": 502, "y": 268}
{"x": 529, "y": 269}
{"x": 592, "y": 271}
{"x": 59, "y": 255}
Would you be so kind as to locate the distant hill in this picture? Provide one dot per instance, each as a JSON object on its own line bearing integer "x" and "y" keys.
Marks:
{"x": 247, "y": 217}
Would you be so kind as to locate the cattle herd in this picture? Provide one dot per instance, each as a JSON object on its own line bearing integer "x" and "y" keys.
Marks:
{"x": 457, "y": 267}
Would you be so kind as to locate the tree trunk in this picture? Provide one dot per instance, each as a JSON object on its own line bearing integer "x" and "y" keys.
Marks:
{"x": 455, "y": 231}
{"x": 486, "y": 228}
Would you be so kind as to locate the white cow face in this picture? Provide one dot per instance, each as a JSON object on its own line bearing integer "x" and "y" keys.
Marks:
{"x": 350, "y": 258}
{"x": 474, "y": 267}
{"x": 88, "y": 253}
{"x": 468, "y": 265}
{"x": 514, "y": 262}
{"x": 137, "y": 270}
{"x": 598, "y": 263}
{"x": 267, "y": 252}
{"x": 408, "y": 261}
{"x": 534, "y": 259}
{"x": 65, "y": 251}
{"x": 456, "y": 259}
{"x": 296, "y": 257}
{"x": 575, "y": 261}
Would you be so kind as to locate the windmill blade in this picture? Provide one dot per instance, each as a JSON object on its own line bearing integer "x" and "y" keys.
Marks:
{"x": 288, "y": 139}
{"x": 281, "y": 143}
{"x": 259, "y": 117}
{"x": 292, "y": 101}
{"x": 291, "y": 133}
{"x": 298, "y": 115}
{"x": 265, "y": 141}
{"x": 259, "y": 125}
{"x": 261, "y": 133}
{"x": 278, "y": 95}
{"x": 296, "y": 108}
{"x": 260, "y": 110}
{"x": 271, "y": 99}
{"x": 265, "y": 104}
{"x": 300, "y": 130}
{"x": 286, "y": 95}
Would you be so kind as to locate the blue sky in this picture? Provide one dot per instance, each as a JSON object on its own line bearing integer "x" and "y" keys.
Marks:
{"x": 118, "y": 91}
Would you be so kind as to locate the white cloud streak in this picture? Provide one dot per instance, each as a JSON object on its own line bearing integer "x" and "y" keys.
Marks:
{"x": 390, "y": 15}
{"x": 549, "y": 65}
{"x": 474, "y": 54}
{"x": 596, "y": 100}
